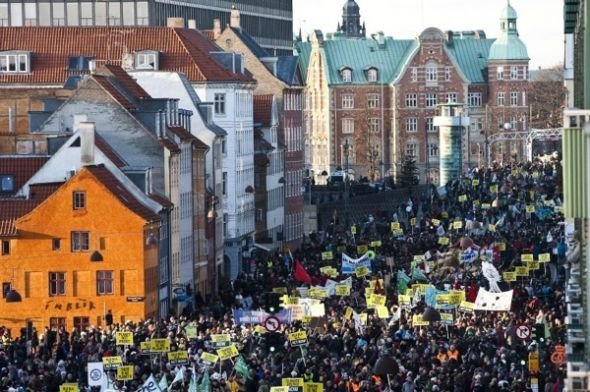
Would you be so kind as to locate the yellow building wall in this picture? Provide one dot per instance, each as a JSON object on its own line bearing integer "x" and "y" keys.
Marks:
{"x": 115, "y": 231}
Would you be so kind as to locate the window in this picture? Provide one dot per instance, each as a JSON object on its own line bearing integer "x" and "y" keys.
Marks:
{"x": 5, "y": 288}
{"x": 224, "y": 183}
{"x": 375, "y": 125}
{"x": 14, "y": 62}
{"x": 146, "y": 60}
{"x": 451, "y": 97}
{"x": 414, "y": 74}
{"x": 347, "y": 101}
{"x": 57, "y": 323}
{"x": 431, "y": 100}
{"x": 500, "y": 99}
{"x": 220, "y": 104}
{"x": 431, "y": 71}
{"x": 447, "y": 73}
{"x": 514, "y": 72}
{"x": 57, "y": 284}
{"x": 55, "y": 244}
{"x": 6, "y": 183}
{"x": 5, "y": 247}
{"x": 81, "y": 323}
{"x": 411, "y": 100}
{"x": 474, "y": 99}
{"x": 347, "y": 126}
{"x": 80, "y": 241}
{"x": 513, "y": 98}
{"x": 373, "y": 101}
{"x": 372, "y": 75}
{"x": 411, "y": 149}
{"x": 79, "y": 200}
{"x": 59, "y": 14}
{"x": 411, "y": 124}
{"x": 430, "y": 124}
{"x": 30, "y": 14}
{"x": 346, "y": 75}
{"x": 104, "y": 283}
{"x": 433, "y": 150}
{"x": 500, "y": 73}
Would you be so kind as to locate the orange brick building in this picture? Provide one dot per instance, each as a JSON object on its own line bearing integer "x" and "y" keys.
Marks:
{"x": 91, "y": 246}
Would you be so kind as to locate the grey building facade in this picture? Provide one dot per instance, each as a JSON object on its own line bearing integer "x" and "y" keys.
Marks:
{"x": 269, "y": 22}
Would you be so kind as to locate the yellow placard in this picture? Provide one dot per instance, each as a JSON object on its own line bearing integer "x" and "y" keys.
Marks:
{"x": 178, "y": 357}
{"x": 373, "y": 283}
{"x": 279, "y": 290}
{"x": 475, "y": 182}
{"x": 501, "y": 246}
{"x": 259, "y": 329}
{"x": 298, "y": 338}
{"x": 382, "y": 312}
{"x": 457, "y": 225}
{"x": 462, "y": 198}
{"x": 221, "y": 340}
{"x": 318, "y": 293}
{"x": 306, "y": 321}
{"x": 435, "y": 222}
{"x": 443, "y": 240}
{"x": 418, "y": 322}
{"x": 363, "y": 317}
{"x": 486, "y": 206}
{"x": 476, "y": 203}
{"x": 279, "y": 389}
{"x": 413, "y": 222}
{"x": 124, "y": 338}
{"x": 533, "y": 265}
{"x": 398, "y": 233}
{"x": 286, "y": 300}
{"x": 446, "y": 318}
{"x": 395, "y": 226}
{"x": 521, "y": 271}
{"x": 125, "y": 373}
{"x": 353, "y": 229}
{"x": 329, "y": 270}
{"x": 69, "y": 387}
{"x": 362, "y": 249}
{"x": 209, "y": 358}
{"x": 327, "y": 255}
{"x": 292, "y": 382}
{"x": 112, "y": 362}
{"x": 509, "y": 276}
{"x": 492, "y": 228}
{"x": 534, "y": 362}
{"x": 145, "y": 347}
{"x": 313, "y": 387}
{"x": 348, "y": 313}
{"x": 494, "y": 188}
{"x": 527, "y": 257}
{"x": 361, "y": 271}
{"x": 544, "y": 257}
{"x": 342, "y": 290}
{"x": 530, "y": 209}
{"x": 227, "y": 352}
{"x": 443, "y": 299}
{"x": 374, "y": 244}
{"x": 404, "y": 300}
{"x": 378, "y": 300}
{"x": 456, "y": 297}
{"x": 465, "y": 306}
{"x": 160, "y": 345}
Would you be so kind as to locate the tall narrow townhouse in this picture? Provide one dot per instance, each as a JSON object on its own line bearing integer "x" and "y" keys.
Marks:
{"x": 279, "y": 76}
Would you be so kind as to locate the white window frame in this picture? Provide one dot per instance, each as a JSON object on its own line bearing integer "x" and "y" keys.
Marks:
{"x": 514, "y": 72}
{"x": 431, "y": 100}
{"x": 372, "y": 75}
{"x": 346, "y": 75}
{"x": 146, "y": 59}
{"x": 429, "y": 124}
{"x": 474, "y": 99}
{"x": 414, "y": 74}
{"x": 433, "y": 150}
{"x": 412, "y": 124}
{"x": 451, "y": 97}
{"x": 411, "y": 100}
{"x": 500, "y": 98}
{"x": 219, "y": 104}
{"x": 374, "y": 125}
{"x": 500, "y": 73}
{"x": 514, "y": 98}
{"x": 347, "y": 126}
{"x": 431, "y": 73}
{"x": 15, "y": 59}
{"x": 412, "y": 149}
{"x": 373, "y": 101}
{"x": 347, "y": 101}
{"x": 447, "y": 74}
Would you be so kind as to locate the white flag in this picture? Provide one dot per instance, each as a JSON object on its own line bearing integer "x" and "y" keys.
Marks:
{"x": 95, "y": 374}
{"x": 494, "y": 302}
{"x": 150, "y": 385}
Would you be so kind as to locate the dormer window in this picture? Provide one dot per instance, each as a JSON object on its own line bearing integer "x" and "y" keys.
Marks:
{"x": 146, "y": 59}
{"x": 14, "y": 62}
{"x": 346, "y": 75}
{"x": 372, "y": 75}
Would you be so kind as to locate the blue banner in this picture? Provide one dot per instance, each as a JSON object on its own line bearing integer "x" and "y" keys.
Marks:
{"x": 349, "y": 265}
{"x": 258, "y": 316}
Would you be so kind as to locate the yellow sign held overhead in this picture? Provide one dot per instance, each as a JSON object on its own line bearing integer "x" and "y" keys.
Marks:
{"x": 521, "y": 271}
{"x": 353, "y": 229}
{"x": 457, "y": 225}
{"x": 313, "y": 387}
{"x": 475, "y": 182}
{"x": 418, "y": 322}
{"x": 280, "y": 290}
{"x": 526, "y": 257}
{"x": 362, "y": 249}
{"x": 298, "y": 338}
{"x": 112, "y": 362}
{"x": 160, "y": 345}
{"x": 443, "y": 240}
{"x": 395, "y": 226}
{"x": 544, "y": 257}
{"x": 375, "y": 244}
{"x": 533, "y": 265}
{"x": 227, "y": 352}
{"x": 509, "y": 276}
{"x": 69, "y": 387}
{"x": 465, "y": 306}
{"x": 221, "y": 340}
{"x": 178, "y": 357}
{"x": 293, "y": 384}
{"x": 462, "y": 198}
{"x": 125, "y": 373}
{"x": 209, "y": 358}
{"x": 124, "y": 338}
{"x": 328, "y": 255}
{"x": 342, "y": 290}
{"x": 361, "y": 271}
{"x": 435, "y": 222}
{"x": 534, "y": 362}
{"x": 279, "y": 389}
{"x": 348, "y": 313}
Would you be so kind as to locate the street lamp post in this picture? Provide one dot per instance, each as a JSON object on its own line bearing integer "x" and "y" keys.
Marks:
{"x": 345, "y": 149}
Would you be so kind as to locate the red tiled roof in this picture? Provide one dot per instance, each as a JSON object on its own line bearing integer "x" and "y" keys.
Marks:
{"x": 162, "y": 200}
{"x": 115, "y": 93}
{"x": 11, "y": 210}
{"x": 127, "y": 82}
{"x": 108, "y": 151}
{"x": 43, "y": 191}
{"x": 118, "y": 190}
{"x": 21, "y": 167}
{"x": 181, "y": 50}
{"x": 263, "y": 109}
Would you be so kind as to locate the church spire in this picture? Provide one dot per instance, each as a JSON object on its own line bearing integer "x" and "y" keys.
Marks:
{"x": 351, "y": 21}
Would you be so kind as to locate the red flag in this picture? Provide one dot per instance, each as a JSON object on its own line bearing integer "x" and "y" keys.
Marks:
{"x": 377, "y": 287}
{"x": 301, "y": 274}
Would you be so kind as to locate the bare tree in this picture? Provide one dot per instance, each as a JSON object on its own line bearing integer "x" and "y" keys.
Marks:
{"x": 547, "y": 95}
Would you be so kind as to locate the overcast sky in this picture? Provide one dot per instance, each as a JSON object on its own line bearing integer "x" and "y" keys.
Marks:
{"x": 540, "y": 22}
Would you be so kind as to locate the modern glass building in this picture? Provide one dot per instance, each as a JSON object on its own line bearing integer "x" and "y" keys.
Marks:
{"x": 270, "y": 23}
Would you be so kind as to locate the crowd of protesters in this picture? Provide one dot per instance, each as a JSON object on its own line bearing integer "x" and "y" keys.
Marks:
{"x": 478, "y": 352}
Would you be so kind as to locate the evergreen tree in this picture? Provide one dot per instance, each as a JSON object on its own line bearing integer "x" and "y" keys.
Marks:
{"x": 409, "y": 172}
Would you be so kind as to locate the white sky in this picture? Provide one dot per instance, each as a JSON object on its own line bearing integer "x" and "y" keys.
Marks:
{"x": 540, "y": 22}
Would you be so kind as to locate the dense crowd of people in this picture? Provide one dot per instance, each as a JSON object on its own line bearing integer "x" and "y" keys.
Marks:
{"x": 477, "y": 351}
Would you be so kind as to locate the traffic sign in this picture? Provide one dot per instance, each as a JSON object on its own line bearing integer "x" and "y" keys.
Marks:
{"x": 523, "y": 332}
{"x": 272, "y": 324}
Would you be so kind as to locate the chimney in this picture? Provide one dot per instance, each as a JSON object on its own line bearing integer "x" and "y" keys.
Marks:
{"x": 86, "y": 130}
{"x": 235, "y": 17}
{"x": 177, "y": 23}
{"x": 79, "y": 119}
{"x": 216, "y": 28}
{"x": 192, "y": 24}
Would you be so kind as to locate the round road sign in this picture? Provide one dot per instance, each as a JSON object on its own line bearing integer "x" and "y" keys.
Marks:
{"x": 272, "y": 324}
{"x": 523, "y": 332}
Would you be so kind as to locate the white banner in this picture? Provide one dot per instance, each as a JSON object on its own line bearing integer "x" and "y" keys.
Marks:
{"x": 493, "y": 302}
{"x": 95, "y": 374}
{"x": 349, "y": 265}
{"x": 150, "y": 385}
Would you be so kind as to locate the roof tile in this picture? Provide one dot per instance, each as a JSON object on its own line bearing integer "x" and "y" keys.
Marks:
{"x": 21, "y": 167}
{"x": 263, "y": 110}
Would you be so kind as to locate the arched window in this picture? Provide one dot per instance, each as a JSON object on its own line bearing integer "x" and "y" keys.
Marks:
{"x": 372, "y": 75}
{"x": 346, "y": 74}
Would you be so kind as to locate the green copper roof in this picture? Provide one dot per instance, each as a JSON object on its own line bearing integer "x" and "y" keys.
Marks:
{"x": 303, "y": 50}
{"x": 472, "y": 57}
{"x": 508, "y": 12}
{"x": 508, "y": 47}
